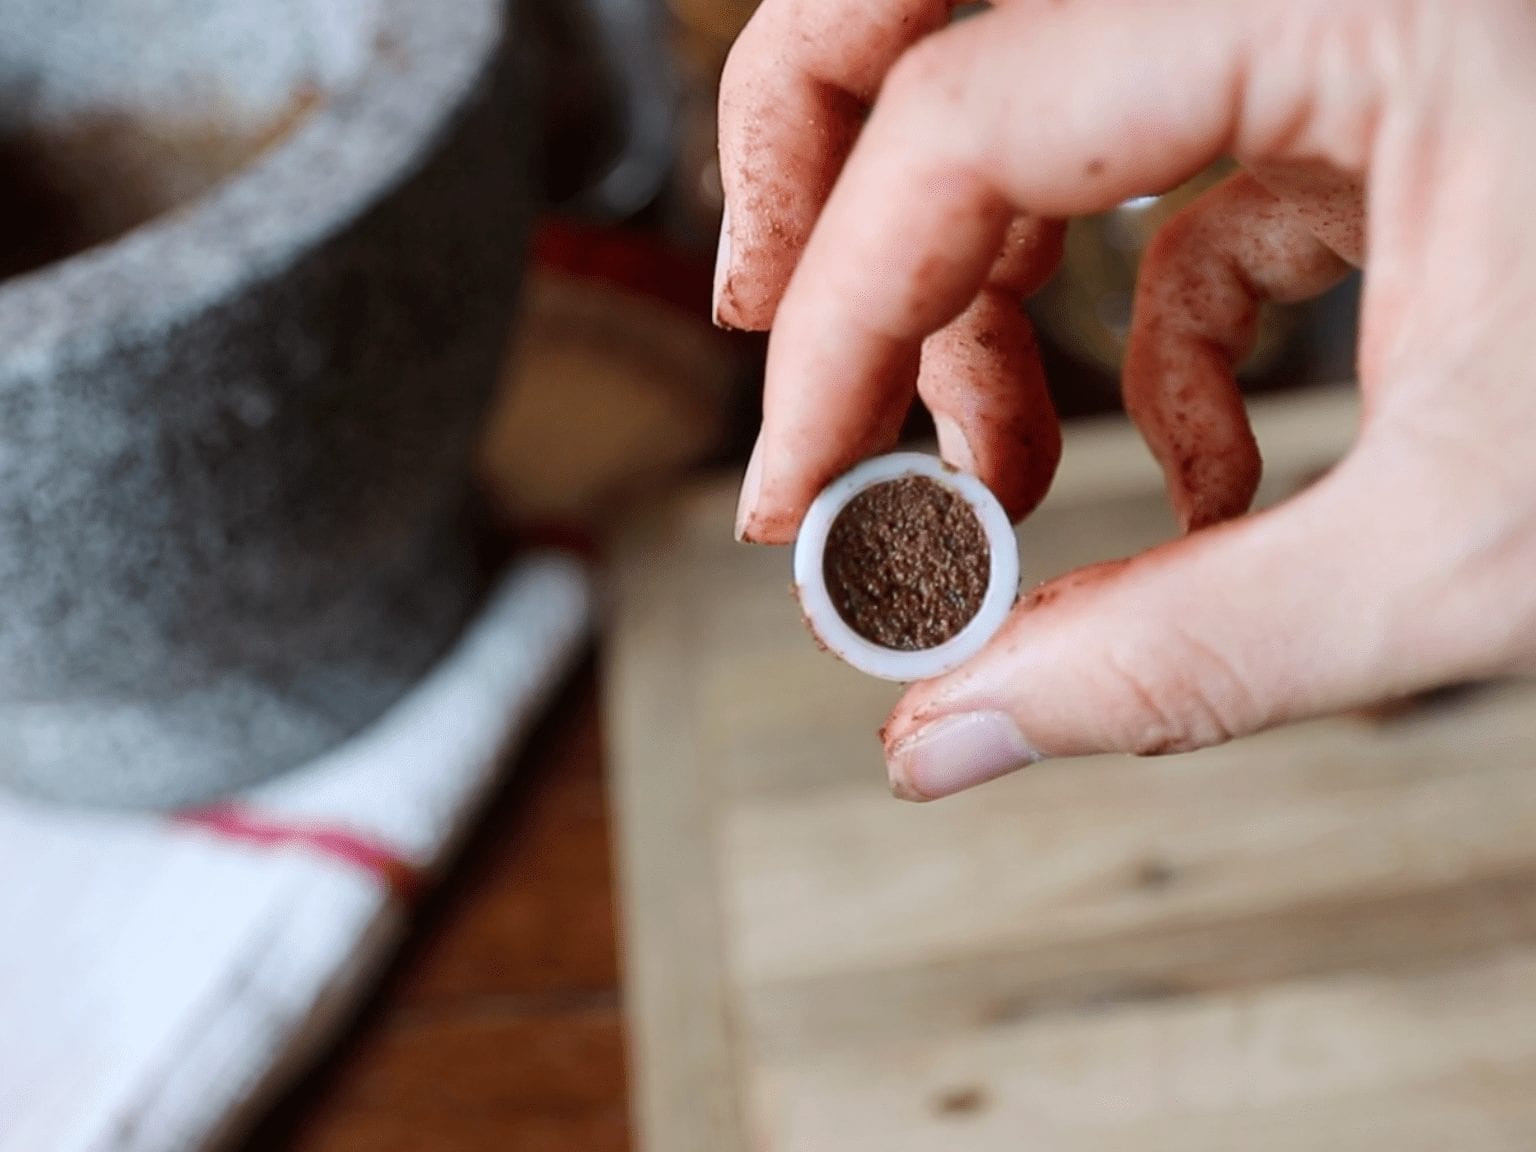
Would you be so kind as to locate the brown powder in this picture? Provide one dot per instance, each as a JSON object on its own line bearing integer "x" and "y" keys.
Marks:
{"x": 907, "y": 563}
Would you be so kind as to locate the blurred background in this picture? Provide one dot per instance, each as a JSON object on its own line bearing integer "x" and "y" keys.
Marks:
{"x": 659, "y": 897}
{"x": 644, "y": 158}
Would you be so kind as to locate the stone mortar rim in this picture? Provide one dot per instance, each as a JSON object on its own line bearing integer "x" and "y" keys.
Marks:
{"x": 251, "y": 226}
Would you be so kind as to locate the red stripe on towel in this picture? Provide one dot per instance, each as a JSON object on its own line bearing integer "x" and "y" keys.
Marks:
{"x": 403, "y": 879}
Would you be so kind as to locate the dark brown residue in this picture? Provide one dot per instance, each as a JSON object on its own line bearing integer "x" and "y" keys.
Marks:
{"x": 907, "y": 564}
{"x": 1155, "y": 874}
{"x": 960, "y": 1102}
{"x": 1041, "y": 596}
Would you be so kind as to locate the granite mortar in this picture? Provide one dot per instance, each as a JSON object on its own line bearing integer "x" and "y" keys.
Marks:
{"x": 235, "y": 438}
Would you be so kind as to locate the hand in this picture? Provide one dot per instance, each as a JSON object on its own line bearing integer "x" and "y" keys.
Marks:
{"x": 890, "y": 259}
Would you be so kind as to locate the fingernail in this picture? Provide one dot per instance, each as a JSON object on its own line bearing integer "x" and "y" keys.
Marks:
{"x": 751, "y": 485}
{"x": 955, "y": 753}
{"x": 953, "y": 445}
{"x": 722, "y": 263}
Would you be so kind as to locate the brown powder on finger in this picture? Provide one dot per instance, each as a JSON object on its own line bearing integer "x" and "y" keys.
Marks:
{"x": 907, "y": 563}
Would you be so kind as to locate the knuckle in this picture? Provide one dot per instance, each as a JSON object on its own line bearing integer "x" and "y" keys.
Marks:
{"x": 1192, "y": 698}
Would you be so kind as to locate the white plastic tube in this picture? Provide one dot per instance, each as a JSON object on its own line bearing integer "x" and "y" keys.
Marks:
{"x": 834, "y": 632}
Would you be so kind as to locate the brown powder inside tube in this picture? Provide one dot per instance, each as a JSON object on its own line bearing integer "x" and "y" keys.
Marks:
{"x": 907, "y": 563}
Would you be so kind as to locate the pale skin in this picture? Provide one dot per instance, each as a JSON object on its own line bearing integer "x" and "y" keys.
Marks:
{"x": 894, "y": 188}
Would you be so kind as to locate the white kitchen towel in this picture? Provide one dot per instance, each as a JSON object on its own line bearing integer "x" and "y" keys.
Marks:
{"x": 161, "y": 977}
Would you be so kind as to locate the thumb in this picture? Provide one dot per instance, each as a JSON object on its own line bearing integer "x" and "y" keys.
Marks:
{"x": 1279, "y": 616}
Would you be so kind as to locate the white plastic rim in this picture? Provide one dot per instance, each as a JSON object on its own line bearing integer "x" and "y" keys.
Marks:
{"x": 875, "y": 659}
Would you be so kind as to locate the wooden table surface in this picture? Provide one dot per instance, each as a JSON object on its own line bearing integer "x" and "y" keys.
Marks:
{"x": 499, "y": 1026}
{"x": 1322, "y": 937}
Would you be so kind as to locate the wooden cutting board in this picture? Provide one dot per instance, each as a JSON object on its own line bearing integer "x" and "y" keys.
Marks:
{"x": 1319, "y": 938}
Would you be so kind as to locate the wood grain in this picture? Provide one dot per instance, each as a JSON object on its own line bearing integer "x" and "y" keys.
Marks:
{"x": 1356, "y": 1060}
{"x": 685, "y": 1072}
{"x": 1321, "y": 937}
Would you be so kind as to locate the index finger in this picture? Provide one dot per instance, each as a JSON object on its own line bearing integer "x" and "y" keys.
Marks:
{"x": 1055, "y": 110}
{"x": 792, "y": 99}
